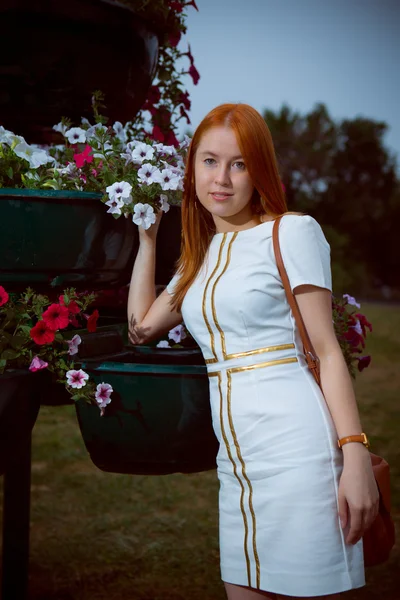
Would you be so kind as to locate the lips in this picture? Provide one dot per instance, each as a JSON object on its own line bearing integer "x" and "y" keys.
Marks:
{"x": 220, "y": 195}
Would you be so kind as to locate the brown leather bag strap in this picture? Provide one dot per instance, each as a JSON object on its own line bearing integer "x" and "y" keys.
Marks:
{"x": 309, "y": 352}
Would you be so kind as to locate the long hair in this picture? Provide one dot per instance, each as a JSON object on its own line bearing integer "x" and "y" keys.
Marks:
{"x": 256, "y": 146}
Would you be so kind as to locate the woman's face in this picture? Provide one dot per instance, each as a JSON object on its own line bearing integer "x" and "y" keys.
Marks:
{"x": 223, "y": 185}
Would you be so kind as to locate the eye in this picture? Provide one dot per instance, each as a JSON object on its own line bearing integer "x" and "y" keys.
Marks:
{"x": 241, "y": 164}
{"x": 207, "y": 163}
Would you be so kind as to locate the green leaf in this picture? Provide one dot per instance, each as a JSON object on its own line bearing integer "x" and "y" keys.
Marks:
{"x": 9, "y": 354}
{"x": 76, "y": 397}
{"x": 3, "y": 362}
{"x": 10, "y": 172}
{"x": 25, "y": 329}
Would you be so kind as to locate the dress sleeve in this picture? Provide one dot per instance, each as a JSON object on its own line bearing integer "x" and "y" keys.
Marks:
{"x": 305, "y": 251}
{"x": 171, "y": 286}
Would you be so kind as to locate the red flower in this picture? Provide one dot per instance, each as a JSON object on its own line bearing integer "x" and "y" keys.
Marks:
{"x": 192, "y": 3}
{"x": 92, "y": 321}
{"x": 194, "y": 74}
{"x": 183, "y": 98}
{"x": 3, "y": 296}
{"x": 73, "y": 307}
{"x": 174, "y": 38}
{"x": 157, "y": 134}
{"x": 170, "y": 139}
{"x": 176, "y": 6}
{"x": 363, "y": 362}
{"x": 56, "y": 317}
{"x": 184, "y": 114}
{"x": 41, "y": 334}
{"x": 83, "y": 157}
{"x": 364, "y": 323}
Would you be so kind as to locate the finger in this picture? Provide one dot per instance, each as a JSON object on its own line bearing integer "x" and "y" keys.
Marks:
{"x": 356, "y": 526}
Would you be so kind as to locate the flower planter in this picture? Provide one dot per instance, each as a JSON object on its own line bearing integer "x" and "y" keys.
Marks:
{"x": 159, "y": 420}
{"x": 19, "y": 407}
{"x": 67, "y": 50}
{"x": 57, "y": 239}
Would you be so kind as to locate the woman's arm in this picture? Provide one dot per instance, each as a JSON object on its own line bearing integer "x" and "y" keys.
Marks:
{"x": 148, "y": 317}
{"x": 358, "y": 488}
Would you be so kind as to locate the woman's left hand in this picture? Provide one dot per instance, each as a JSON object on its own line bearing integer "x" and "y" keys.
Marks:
{"x": 358, "y": 492}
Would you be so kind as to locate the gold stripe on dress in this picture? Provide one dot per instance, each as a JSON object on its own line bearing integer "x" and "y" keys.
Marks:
{"x": 215, "y": 359}
{"x": 228, "y": 260}
{"x": 253, "y": 516}
{"x": 260, "y": 351}
{"x": 246, "y": 527}
{"x": 270, "y": 363}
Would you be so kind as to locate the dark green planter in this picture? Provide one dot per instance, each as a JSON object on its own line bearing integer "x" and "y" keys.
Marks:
{"x": 59, "y": 239}
{"x": 19, "y": 408}
{"x": 159, "y": 420}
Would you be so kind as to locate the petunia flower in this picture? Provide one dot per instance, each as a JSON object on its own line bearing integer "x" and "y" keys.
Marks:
{"x": 177, "y": 334}
{"x": 163, "y": 344}
{"x": 351, "y": 300}
{"x": 143, "y": 215}
{"x": 73, "y": 345}
{"x": 4, "y": 297}
{"x": 41, "y": 334}
{"x": 148, "y": 173}
{"x": 37, "y": 364}
{"x": 120, "y": 132}
{"x": 73, "y": 307}
{"x": 36, "y": 158}
{"x": 60, "y": 127}
{"x": 164, "y": 203}
{"x": 194, "y": 74}
{"x": 92, "y": 321}
{"x": 167, "y": 179}
{"x": 83, "y": 157}
{"x": 141, "y": 153}
{"x": 102, "y": 396}
{"x": 56, "y": 317}
{"x": 77, "y": 378}
{"x": 115, "y": 205}
{"x": 95, "y": 132}
{"x": 76, "y": 135}
{"x": 118, "y": 190}
{"x": 363, "y": 362}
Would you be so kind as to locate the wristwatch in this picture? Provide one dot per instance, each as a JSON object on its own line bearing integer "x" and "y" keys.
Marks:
{"x": 354, "y": 438}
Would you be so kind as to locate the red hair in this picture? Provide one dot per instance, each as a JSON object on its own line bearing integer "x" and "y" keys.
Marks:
{"x": 256, "y": 146}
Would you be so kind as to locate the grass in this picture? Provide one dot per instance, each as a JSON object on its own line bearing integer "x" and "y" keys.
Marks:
{"x": 100, "y": 536}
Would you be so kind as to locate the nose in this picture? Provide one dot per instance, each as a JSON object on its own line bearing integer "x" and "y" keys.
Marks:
{"x": 222, "y": 176}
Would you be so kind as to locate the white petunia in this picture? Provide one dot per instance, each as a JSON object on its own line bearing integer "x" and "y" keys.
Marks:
{"x": 73, "y": 344}
{"x": 120, "y": 132}
{"x": 163, "y": 344}
{"x": 161, "y": 149}
{"x": 119, "y": 189}
{"x": 36, "y": 158}
{"x": 107, "y": 148}
{"x": 95, "y": 131}
{"x": 115, "y": 205}
{"x": 141, "y": 153}
{"x": 167, "y": 179}
{"x": 143, "y": 215}
{"x": 9, "y": 138}
{"x": 177, "y": 334}
{"x": 76, "y": 135}
{"x": 71, "y": 170}
{"x": 85, "y": 121}
{"x": 185, "y": 143}
{"x": 164, "y": 203}
{"x": 357, "y": 327}
{"x": 60, "y": 127}
{"x": 148, "y": 174}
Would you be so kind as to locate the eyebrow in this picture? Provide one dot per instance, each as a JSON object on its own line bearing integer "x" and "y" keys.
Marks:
{"x": 213, "y": 154}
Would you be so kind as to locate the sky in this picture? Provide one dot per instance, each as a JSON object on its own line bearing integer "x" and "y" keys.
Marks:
{"x": 343, "y": 53}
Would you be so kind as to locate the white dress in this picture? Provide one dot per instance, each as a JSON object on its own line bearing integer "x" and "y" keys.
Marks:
{"x": 278, "y": 463}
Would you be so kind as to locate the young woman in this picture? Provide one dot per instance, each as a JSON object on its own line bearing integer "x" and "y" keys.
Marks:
{"x": 293, "y": 506}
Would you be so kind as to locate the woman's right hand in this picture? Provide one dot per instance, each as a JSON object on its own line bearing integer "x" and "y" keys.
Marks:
{"x": 150, "y": 234}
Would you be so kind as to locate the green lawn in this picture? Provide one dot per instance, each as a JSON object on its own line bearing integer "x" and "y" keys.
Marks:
{"x": 100, "y": 536}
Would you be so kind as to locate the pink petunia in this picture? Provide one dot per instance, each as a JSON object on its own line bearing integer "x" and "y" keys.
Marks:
{"x": 56, "y": 317}
{"x": 102, "y": 396}
{"x": 73, "y": 345}
{"x": 38, "y": 364}
{"x": 83, "y": 157}
{"x": 77, "y": 378}
{"x": 3, "y": 296}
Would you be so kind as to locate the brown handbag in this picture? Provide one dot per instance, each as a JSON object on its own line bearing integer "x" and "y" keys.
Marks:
{"x": 379, "y": 539}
